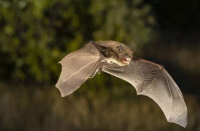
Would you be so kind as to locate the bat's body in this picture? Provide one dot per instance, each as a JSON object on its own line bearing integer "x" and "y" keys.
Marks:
{"x": 115, "y": 58}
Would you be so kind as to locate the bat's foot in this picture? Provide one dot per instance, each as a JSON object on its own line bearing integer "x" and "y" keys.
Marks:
{"x": 92, "y": 75}
{"x": 99, "y": 70}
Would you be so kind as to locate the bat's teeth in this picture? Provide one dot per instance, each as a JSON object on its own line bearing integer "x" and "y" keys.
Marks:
{"x": 126, "y": 60}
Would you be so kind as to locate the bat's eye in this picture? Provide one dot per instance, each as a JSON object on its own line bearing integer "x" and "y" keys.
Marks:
{"x": 103, "y": 49}
{"x": 119, "y": 49}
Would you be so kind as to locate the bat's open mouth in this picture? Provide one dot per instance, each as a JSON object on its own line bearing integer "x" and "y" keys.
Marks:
{"x": 126, "y": 61}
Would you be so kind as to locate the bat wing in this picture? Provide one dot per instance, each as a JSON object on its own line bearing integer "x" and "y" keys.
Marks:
{"x": 77, "y": 67}
{"x": 153, "y": 80}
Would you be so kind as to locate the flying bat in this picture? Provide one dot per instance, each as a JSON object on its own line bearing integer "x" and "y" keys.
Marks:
{"x": 148, "y": 78}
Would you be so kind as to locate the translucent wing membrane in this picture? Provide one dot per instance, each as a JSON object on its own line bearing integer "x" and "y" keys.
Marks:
{"x": 153, "y": 80}
{"x": 77, "y": 67}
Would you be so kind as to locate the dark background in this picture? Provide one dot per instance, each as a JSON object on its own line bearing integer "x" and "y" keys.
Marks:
{"x": 36, "y": 34}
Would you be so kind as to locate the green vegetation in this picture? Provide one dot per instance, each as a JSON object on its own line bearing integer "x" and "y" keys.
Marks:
{"x": 36, "y": 34}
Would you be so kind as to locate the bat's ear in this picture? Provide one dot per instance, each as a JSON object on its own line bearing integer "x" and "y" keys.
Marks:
{"x": 95, "y": 44}
{"x": 101, "y": 48}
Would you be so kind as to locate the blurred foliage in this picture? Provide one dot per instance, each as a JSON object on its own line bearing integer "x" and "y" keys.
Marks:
{"x": 36, "y": 34}
{"x": 42, "y": 109}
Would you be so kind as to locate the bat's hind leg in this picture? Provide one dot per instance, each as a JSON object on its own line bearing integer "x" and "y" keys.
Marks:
{"x": 98, "y": 71}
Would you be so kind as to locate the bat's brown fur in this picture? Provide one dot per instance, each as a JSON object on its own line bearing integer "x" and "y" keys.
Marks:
{"x": 110, "y": 50}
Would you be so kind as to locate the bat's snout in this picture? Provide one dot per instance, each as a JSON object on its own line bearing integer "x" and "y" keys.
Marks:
{"x": 126, "y": 60}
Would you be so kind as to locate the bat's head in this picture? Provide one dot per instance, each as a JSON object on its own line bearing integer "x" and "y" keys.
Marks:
{"x": 124, "y": 54}
{"x": 116, "y": 52}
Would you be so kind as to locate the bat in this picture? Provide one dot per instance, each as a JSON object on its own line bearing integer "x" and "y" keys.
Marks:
{"x": 148, "y": 78}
